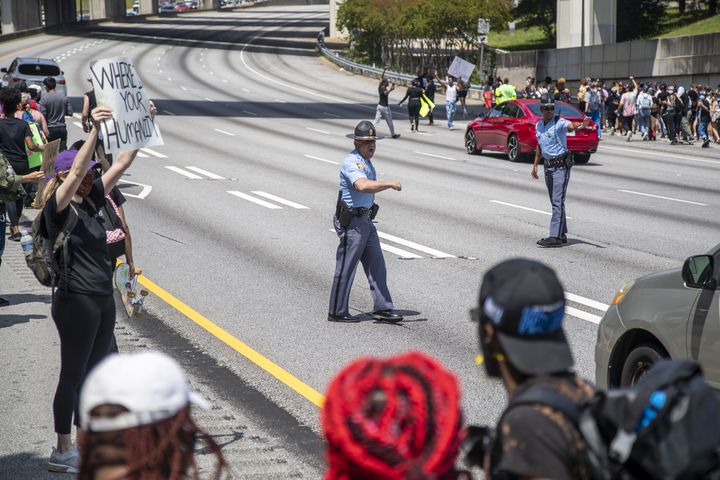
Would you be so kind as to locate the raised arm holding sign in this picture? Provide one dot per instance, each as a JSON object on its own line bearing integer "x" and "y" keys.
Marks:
{"x": 119, "y": 88}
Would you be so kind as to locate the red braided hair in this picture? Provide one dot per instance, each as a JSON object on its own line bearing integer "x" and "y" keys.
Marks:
{"x": 393, "y": 419}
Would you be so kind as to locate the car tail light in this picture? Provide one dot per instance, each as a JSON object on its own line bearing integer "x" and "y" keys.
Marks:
{"x": 15, "y": 79}
{"x": 61, "y": 82}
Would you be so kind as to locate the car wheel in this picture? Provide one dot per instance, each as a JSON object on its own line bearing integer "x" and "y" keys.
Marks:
{"x": 471, "y": 142}
{"x": 582, "y": 158}
{"x": 638, "y": 362}
{"x": 513, "y": 148}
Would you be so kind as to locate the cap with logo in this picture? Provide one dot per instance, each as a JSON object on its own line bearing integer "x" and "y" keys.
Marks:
{"x": 365, "y": 130}
{"x": 525, "y": 302}
{"x": 150, "y": 385}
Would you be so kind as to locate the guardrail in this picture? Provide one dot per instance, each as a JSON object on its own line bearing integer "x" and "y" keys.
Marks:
{"x": 368, "y": 71}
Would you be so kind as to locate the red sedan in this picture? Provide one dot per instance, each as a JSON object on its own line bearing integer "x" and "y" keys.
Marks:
{"x": 182, "y": 7}
{"x": 510, "y": 128}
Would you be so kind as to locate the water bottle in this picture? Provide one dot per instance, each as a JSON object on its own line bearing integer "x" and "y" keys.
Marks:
{"x": 26, "y": 242}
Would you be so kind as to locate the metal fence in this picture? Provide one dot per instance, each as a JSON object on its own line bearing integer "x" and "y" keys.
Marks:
{"x": 368, "y": 71}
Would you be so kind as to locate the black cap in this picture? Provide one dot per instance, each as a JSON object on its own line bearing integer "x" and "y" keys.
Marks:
{"x": 525, "y": 302}
{"x": 365, "y": 130}
{"x": 546, "y": 100}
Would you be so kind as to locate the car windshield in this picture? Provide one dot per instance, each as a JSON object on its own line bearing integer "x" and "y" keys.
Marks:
{"x": 562, "y": 109}
{"x": 39, "y": 70}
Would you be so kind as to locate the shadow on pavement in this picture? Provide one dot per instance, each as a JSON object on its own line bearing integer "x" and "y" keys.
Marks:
{"x": 27, "y": 465}
{"x": 10, "y": 320}
{"x": 18, "y": 298}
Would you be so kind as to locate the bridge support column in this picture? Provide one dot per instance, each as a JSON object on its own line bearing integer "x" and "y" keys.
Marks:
{"x": 59, "y": 12}
{"x": 101, "y": 9}
{"x": 19, "y": 15}
{"x": 148, "y": 7}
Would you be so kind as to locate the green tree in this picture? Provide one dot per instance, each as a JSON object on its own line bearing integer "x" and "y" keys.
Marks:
{"x": 638, "y": 18}
{"x": 538, "y": 13}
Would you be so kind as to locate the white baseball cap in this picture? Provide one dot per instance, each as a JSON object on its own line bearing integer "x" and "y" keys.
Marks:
{"x": 150, "y": 385}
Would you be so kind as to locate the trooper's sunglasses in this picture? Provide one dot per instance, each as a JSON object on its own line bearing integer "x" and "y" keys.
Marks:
{"x": 551, "y": 108}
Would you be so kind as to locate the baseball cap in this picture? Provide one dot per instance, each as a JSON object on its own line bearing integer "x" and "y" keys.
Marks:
{"x": 525, "y": 302}
{"x": 65, "y": 159}
{"x": 150, "y": 385}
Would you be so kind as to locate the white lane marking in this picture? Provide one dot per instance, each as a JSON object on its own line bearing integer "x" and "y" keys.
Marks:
{"x": 214, "y": 176}
{"x": 321, "y": 159}
{"x": 280, "y": 200}
{"x": 224, "y": 132}
{"x": 142, "y": 155}
{"x": 398, "y": 251}
{"x": 436, "y": 156}
{"x": 250, "y": 113}
{"x": 168, "y": 112}
{"x": 658, "y": 154}
{"x": 280, "y": 101}
{"x": 154, "y": 153}
{"x": 183, "y": 89}
{"x": 415, "y": 246}
{"x": 520, "y": 207}
{"x": 583, "y": 315}
{"x": 185, "y": 173}
{"x": 663, "y": 198}
{"x": 586, "y": 301}
{"x": 143, "y": 193}
{"x": 317, "y": 130}
{"x": 246, "y": 90}
{"x": 332, "y": 115}
{"x": 224, "y": 81}
{"x": 209, "y": 99}
{"x": 77, "y": 115}
{"x": 77, "y": 124}
{"x": 250, "y": 198}
{"x": 169, "y": 79}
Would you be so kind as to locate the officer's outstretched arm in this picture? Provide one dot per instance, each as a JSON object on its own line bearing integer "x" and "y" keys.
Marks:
{"x": 373, "y": 186}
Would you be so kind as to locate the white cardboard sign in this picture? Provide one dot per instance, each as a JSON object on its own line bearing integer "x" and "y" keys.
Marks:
{"x": 118, "y": 86}
{"x": 461, "y": 69}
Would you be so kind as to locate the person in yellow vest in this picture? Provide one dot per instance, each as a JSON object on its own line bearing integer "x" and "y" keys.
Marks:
{"x": 506, "y": 91}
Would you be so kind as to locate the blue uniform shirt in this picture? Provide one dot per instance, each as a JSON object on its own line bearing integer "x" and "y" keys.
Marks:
{"x": 353, "y": 168}
{"x": 552, "y": 137}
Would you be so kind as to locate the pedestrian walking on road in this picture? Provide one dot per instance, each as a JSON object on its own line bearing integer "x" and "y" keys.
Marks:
{"x": 383, "y": 109}
{"x": 644, "y": 105}
{"x": 393, "y": 419}
{"x": 83, "y": 307}
{"x": 593, "y": 105}
{"x": 520, "y": 317}
{"x": 55, "y": 106}
{"x": 451, "y": 96}
{"x": 137, "y": 421}
{"x": 359, "y": 241}
{"x": 703, "y": 116}
{"x": 430, "y": 90}
{"x": 551, "y": 132}
{"x": 627, "y": 108}
{"x": 414, "y": 95}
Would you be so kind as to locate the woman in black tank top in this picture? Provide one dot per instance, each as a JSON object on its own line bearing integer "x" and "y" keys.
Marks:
{"x": 413, "y": 95}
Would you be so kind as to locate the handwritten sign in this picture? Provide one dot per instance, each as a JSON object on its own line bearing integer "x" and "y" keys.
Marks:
{"x": 461, "y": 69}
{"x": 118, "y": 86}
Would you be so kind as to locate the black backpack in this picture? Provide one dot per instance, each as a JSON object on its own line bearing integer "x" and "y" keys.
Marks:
{"x": 666, "y": 427}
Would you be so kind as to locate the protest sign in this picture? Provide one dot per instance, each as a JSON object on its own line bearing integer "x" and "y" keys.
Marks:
{"x": 461, "y": 69}
{"x": 118, "y": 86}
{"x": 51, "y": 151}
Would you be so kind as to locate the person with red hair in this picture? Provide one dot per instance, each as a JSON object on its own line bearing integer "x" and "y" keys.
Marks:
{"x": 393, "y": 419}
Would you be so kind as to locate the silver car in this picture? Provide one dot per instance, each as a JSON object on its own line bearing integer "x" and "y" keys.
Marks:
{"x": 674, "y": 313}
{"x": 33, "y": 71}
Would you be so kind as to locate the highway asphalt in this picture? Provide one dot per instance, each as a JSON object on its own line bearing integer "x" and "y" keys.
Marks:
{"x": 236, "y": 224}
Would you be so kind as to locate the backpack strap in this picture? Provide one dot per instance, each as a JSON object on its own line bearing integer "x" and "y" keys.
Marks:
{"x": 550, "y": 398}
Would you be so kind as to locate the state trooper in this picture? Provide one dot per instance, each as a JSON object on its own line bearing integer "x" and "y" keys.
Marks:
{"x": 552, "y": 147}
{"x": 353, "y": 223}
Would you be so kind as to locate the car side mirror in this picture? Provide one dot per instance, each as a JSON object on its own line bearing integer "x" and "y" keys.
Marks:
{"x": 699, "y": 272}
{"x": 482, "y": 115}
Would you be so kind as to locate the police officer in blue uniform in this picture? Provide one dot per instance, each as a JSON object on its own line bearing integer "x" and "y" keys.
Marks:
{"x": 551, "y": 134}
{"x": 359, "y": 241}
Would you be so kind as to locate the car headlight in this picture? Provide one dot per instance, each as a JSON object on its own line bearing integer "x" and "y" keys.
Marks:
{"x": 622, "y": 292}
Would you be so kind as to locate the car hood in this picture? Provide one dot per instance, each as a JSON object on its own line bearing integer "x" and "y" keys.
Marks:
{"x": 671, "y": 278}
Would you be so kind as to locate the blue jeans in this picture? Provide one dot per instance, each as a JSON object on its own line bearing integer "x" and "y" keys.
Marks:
{"x": 595, "y": 117}
{"x": 644, "y": 120}
{"x": 450, "y": 108}
{"x": 702, "y": 130}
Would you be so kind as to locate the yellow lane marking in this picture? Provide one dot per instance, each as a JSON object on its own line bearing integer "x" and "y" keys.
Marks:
{"x": 243, "y": 349}
{"x": 16, "y": 53}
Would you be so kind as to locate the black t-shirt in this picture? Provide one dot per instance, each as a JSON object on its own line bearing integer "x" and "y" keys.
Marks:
{"x": 430, "y": 89}
{"x": 704, "y": 114}
{"x": 414, "y": 94}
{"x": 662, "y": 98}
{"x": 13, "y": 132}
{"x": 693, "y": 96}
{"x": 89, "y": 271}
{"x": 383, "y": 102}
{"x": 539, "y": 442}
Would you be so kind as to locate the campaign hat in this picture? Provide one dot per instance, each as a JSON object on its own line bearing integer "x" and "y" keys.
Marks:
{"x": 365, "y": 130}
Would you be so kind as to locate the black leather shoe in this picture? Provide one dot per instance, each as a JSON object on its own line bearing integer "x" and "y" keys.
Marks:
{"x": 563, "y": 239}
{"x": 342, "y": 318}
{"x": 4, "y": 302}
{"x": 387, "y": 316}
{"x": 550, "y": 242}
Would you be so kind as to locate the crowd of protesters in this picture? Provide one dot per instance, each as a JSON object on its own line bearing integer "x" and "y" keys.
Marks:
{"x": 682, "y": 114}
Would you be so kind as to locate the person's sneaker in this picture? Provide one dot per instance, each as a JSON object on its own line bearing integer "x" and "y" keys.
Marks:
{"x": 450, "y": 127}
{"x": 563, "y": 239}
{"x": 629, "y": 136}
{"x": 67, "y": 462}
{"x": 612, "y": 132}
{"x": 412, "y": 127}
{"x": 706, "y": 144}
{"x": 397, "y": 135}
{"x": 550, "y": 242}
{"x": 645, "y": 137}
{"x": 4, "y": 302}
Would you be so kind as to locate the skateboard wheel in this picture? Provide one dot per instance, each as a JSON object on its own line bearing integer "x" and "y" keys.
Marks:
{"x": 131, "y": 294}
{"x": 144, "y": 293}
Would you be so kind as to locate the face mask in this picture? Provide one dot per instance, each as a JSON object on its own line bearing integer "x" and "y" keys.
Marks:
{"x": 86, "y": 185}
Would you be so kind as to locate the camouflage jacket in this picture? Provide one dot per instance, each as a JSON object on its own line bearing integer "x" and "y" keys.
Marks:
{"x": 10, "y": 184}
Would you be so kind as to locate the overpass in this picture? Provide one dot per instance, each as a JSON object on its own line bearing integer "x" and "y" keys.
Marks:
{"x": 18, "y": 16}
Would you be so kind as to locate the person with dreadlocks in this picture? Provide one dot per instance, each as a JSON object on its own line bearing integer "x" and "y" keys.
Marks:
{"x": 393, "y": 419}
{"x": 135, "y": 411}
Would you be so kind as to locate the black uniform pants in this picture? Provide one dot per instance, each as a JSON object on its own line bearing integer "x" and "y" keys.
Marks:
{"x": 85, "y": 324}
{"x": 414, "y": 111}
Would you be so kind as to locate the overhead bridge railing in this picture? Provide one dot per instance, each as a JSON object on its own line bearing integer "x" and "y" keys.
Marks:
{"x": 369, "y": 71}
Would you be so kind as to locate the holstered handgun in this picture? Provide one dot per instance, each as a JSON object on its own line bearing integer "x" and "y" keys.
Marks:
{"x": 343, "y": 213}
{"x": 373, "y": 211}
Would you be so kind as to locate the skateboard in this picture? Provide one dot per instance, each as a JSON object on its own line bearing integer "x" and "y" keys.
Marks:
{"x": 133, "y": 301}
